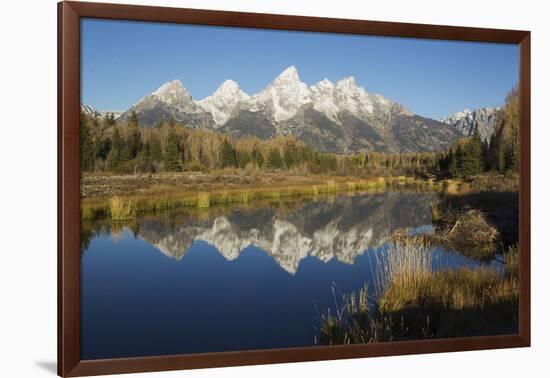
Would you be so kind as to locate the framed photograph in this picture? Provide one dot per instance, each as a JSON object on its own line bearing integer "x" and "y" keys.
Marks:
{"x": 240, "y": 188}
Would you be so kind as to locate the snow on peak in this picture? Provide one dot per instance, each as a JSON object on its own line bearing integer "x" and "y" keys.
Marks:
{"x": 281, "y": 99}
{"x": 455, "y": 117}
{"x": 174, "y": 85}
{"x": 323, "y": 97}
{"x": 289, "y": 74}
{"x": 223, "y": 101}
{"x": 353, "y": 98}
{"x": 466, "y": 121}
{"x": 347, "y": 83}
{"x": 173, "y": 93}
{"x": 331, "y": 99}
{"x": 230, "y": 88}
{"x": 284, "y": 96}
{"x": 325, "y": 83}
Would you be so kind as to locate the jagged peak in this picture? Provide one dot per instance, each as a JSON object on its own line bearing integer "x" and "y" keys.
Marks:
{"x": 467, "y": 113}
{"x": 346, "y": 82}
{"x": 230, "y": 87}
{"x": 325, "y": 83}
{"x": 229, "y": 84}
{"x": 289, "y": 74}
{"x": 173, "y": 85}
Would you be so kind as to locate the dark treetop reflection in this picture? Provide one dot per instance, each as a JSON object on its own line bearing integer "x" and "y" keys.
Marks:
{"x": 235, "y": 279}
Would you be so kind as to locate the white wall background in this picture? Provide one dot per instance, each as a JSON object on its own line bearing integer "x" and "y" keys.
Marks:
{"x": 28, "y": 186}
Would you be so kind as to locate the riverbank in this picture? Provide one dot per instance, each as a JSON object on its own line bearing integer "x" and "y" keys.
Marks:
{"x": 478, "y": 220}
{"x": 412, "y": 300}
{"x": 122, "y": 197}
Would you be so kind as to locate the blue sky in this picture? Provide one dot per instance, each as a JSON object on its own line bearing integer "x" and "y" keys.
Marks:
{"x": 122, "y": 61}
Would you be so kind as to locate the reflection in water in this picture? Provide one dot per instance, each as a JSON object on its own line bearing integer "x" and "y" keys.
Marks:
{"x": 222, "y": 287}
{"x": 340, "y": 229}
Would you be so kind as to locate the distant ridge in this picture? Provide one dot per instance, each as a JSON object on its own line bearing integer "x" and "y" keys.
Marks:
{"x": 466, "y": 121}
{"x": 336, "y": 117}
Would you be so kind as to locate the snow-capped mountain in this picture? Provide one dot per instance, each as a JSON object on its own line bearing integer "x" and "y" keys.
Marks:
{"x": 283, "y": 97}
{"x": 466, "y": 121}
{"x": 93, "y": 112}
{"x": 323, "y": 97}
{"x": 224, "y": 100}
{"x": 170, "y": 101}
{"x": 341, "y": 117}
{"x": 174, "y": 93}
{"x": 89, "y": 110}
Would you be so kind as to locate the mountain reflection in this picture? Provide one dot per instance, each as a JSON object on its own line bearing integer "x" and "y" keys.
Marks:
{"x": 339, "y": 228}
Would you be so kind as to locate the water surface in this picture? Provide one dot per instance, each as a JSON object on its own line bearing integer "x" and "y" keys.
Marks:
{"x": 235, "y": 279}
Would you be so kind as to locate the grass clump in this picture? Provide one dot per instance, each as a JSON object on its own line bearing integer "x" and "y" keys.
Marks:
{"x": 121, "y": 209}
{"x": 203, "y": 200}
{"x": 412, "y": 300}
{"x": 511, "y": 261}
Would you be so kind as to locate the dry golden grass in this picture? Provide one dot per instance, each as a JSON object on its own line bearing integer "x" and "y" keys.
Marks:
{"x": 121, "y": 209}
{"x": 203, "y": 200}
{"x": 407, "y": 262}
{"x": 413, "y": 301}
{"x": 162, "y": 197}
{"x": 449, "y": 290}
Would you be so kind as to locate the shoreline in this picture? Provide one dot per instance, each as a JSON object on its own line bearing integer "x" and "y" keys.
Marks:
{"x": 122, "y": 197}
{"x": 159, "y": 197}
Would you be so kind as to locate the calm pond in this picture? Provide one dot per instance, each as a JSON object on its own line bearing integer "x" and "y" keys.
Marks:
{"x": 235, "y": 279}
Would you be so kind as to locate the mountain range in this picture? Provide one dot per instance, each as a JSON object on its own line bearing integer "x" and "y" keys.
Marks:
{"x": 466, "y": 121}
{"x": 339, "y": 117}
{"x": 93, "y": 112}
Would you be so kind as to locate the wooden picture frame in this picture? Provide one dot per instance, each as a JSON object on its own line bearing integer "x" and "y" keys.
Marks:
{"x": 69, "y": 15}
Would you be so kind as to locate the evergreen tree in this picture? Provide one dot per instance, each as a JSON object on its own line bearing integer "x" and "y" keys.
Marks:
{"x": 109, "y": 119}
{"x": 453, "y": 164}
{"x": 511, "y": 159}
{"x": 470, "y": 157}
{"x": 87, "y": 149}
{"x": 274, "y": 160}
{"x": 307, "y": 153}
{"x": 143, "y": 159}
{"x": 116, "y": 147}
{"x": 134, "y": 122}
{"x": 155, "y": 149}
{"x": 172, "y": 157}
{"x": 228, "y": 154}
{"x": 134, "y": 143}
{"x": 289, "y": 155}
{"x": 501, "y": 157}
{"x": 103, "y": 147}
{"x": 125, "y": 153}
{"x": 512, "y": 150}
{"x": 243, "y": 158}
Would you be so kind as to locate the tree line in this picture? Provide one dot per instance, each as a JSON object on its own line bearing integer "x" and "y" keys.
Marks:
{"x": 107, "y": 146}
{"x": 471, "y": 156}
